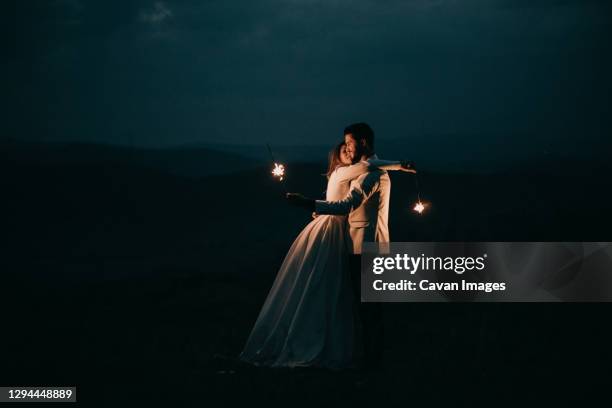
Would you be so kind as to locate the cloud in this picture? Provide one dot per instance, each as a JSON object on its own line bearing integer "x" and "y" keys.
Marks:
{"x": 156, "y": 15}
{"x": 230, "y": 68}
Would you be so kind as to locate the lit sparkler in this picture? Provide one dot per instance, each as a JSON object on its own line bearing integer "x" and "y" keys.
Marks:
{"x": 420, "y": 206}
{"x": 278, "y": 171}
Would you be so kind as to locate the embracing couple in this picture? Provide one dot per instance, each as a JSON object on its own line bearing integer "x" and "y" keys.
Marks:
{"x": 313, "y": 315}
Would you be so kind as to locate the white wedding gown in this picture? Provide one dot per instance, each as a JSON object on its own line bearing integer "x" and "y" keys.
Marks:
{"x": 307, "y": 318}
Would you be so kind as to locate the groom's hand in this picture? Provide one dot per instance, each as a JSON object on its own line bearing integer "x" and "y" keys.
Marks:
{"x": 298, "y": 200}
{"x": 408, "y": 166}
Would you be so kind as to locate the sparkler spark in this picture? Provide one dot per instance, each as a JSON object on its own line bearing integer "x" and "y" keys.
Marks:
{"x": 278, "y": 171}
{"x": 419, "y": 207}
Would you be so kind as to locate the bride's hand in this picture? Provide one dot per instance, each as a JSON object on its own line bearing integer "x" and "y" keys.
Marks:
{"x": 407, "y": 167}
{"x": 314, "y": 215}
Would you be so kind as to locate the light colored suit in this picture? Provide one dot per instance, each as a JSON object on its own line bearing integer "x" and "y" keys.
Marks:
{"x": 367, "y": 206}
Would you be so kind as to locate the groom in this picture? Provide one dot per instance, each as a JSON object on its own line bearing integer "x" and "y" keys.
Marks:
{"x": 367, "y": 206}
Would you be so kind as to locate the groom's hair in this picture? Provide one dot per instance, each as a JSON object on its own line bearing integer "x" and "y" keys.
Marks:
{"x": 363, "y": 135}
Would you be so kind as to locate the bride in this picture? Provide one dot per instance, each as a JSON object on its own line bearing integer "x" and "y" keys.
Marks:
{"x": 307, "y": 318}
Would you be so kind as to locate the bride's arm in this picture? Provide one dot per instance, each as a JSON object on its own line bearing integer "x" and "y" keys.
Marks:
{"x": 384, "y": 164}
{"x": 359, "y": 193}
{"x": 355, "y": 170}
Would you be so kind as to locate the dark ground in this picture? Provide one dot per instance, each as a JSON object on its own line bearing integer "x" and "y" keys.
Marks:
{"x": 125, "y": 279}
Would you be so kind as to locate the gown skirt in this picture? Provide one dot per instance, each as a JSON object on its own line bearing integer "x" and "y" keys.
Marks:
{"x": 308, "y": 317}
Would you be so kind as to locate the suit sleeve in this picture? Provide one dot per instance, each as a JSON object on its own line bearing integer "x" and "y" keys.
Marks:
{"x": 359, "y": 193}
{"x": 384, "y": 164}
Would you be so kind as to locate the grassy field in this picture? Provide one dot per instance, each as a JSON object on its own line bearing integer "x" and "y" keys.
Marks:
{"x": 127, "y": 281}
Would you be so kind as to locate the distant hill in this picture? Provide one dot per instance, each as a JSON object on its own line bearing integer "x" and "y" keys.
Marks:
{"x": 91, "y": 210}
{"x": 457, "y": 153}
{"x": 192, "y": 162}
{"x": 446, "y": 153}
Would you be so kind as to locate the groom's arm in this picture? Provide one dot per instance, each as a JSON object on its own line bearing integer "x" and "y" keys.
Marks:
{"x": 359, "y": 193}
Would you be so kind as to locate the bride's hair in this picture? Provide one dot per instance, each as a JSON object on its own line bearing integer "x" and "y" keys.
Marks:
{"x": 334, "y": 159}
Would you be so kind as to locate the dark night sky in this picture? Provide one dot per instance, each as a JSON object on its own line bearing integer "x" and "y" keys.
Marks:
{"x": 294, "y": 71}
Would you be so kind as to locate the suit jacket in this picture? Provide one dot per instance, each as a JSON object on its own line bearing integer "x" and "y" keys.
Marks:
{"x": 367, "y": 206}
